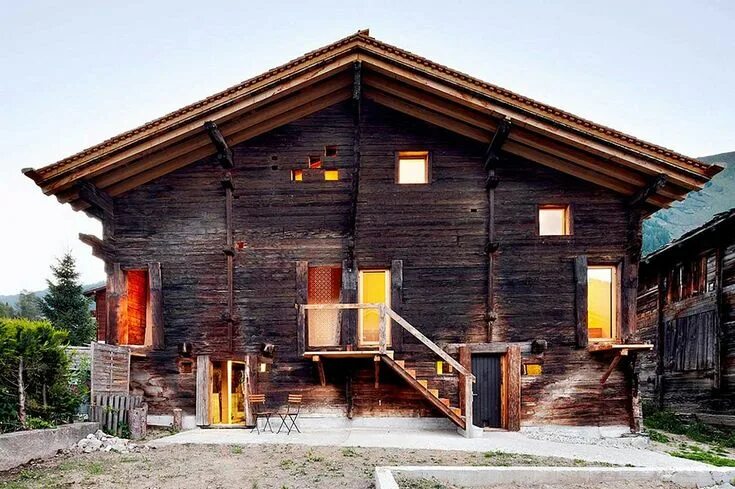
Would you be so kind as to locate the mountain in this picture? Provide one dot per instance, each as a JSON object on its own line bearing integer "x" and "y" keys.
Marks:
{"x": 698, "y": 208}
{"x": 13, "y": 299}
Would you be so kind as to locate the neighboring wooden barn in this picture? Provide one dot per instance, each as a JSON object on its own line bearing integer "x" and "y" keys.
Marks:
{"x": 382, "y": 234}
{"x": 686, "y": 307}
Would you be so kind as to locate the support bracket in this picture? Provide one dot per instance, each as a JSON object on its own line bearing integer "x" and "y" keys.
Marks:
{"x": 653, "y": 186}
{"x": 492, "y": 155}
{"x": 224, "y": 153}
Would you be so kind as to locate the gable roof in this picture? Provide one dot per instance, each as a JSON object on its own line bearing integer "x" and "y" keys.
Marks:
{"x": 397, "y": 79}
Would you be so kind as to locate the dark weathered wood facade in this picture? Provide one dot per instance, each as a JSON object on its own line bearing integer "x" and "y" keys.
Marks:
{"x": 216, "y": 217}
{"x": 686, "y": 306}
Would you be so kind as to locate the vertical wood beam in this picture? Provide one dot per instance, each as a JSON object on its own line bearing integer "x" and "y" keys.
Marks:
{"x": 229, "y": 256}
{"x": 116, "y": 300}
{"x": 355, "y": 189}
{"x": 396, "y": 302}
{"x": 348, "y": 295}
{"x": 629, "y": 281}
{"x": 204, "y": 379}
{"x": 376, "y": 361}
{"x": 513, "y": 389}
{"x": 581, "y": 333}
{"x": 224, "y": 153}
{"x": 155, "y": 305}
{"x": 663, "y": 285}
{"x": 302, "y": 285}
{"x": 465, "y": 359}
{"x": 492, "y": 157}
{"x": 720, "y": 354}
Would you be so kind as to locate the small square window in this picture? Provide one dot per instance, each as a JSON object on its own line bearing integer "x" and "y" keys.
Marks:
{"x": 413, "y": 167}
{"x": 297, "y": 175}
{"x": 330, "y": 151}
{"x": 554, "y": 221}
{"x": 315, "y": 162}
{"x": 331, "y": 175}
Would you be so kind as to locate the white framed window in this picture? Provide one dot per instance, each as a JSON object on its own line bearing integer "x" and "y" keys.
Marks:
{"x": 412, "y": 167}
{"x": 554, "y": 220}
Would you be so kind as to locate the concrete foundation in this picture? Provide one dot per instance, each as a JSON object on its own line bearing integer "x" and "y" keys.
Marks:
{"x": 23, "y": 446}
{"x": 489, "y": 476}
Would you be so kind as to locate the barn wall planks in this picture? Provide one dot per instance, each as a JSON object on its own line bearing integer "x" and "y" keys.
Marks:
{"x": 692, "y": 368}
{"x": 437, "y": 230}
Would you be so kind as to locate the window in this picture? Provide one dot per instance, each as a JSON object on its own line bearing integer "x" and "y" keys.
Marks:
{"x": 297, "y": 175}
{"x": 325, "y": 284}
{"x": 602, "y": 298}
{"x": 133, "y": 331}
{"x": 412, "y": 167}
{"x": 331, "y": 175}
{"x": 554, "y": 220}
{"x": 373, "y": 288}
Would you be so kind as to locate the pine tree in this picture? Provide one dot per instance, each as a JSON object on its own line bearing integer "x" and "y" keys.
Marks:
{"x": 28, "y": 306}
{"x": 65, "y": 306}
{"x": 6, "y": 310}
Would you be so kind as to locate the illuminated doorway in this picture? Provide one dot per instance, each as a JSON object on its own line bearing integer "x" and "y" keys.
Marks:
{"x": 227, "y": 394}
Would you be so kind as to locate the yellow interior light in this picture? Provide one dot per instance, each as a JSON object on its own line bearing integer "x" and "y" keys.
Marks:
{"x": 331, "y": 175}
{"x": 297, "y": 175}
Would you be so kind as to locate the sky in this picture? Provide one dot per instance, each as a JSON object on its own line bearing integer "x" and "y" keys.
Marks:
{"x": 74, "y": 73}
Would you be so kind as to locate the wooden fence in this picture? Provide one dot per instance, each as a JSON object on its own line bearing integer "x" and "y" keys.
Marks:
{"x": 110, "y": 369}
{"x": 113, "y": 412}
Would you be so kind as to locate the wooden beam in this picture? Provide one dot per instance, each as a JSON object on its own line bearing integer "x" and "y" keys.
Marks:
{"x": 580, "y": 301}
{"x": 155, "y": 305}
{"x": 492, "y": 155}
{"x": 376, "y": 361}
{"x": 102, "y": 249}
{"x": 250, "y": 98}
{"x": 465, "y": 359}
{"x": 356, "y": 155}
{"x": 203, "y": 387}
{"x": 348, "y": 295}
{"x": 611, "y": 368}
{"x": 653, "y": 187}
{"x": 224, "y": 153}
{"x": 100, "y": 204}
{"x": 513, "y": 390}
{"x": 445, "y": 85}
{"x": 320, "y": 368}
{"x": 272, "y": 123}
{"x": 396, "y": 302}
{"x": 302, "y": 284}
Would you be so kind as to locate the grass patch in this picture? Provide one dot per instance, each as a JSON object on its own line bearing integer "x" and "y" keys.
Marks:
{"x": 422, "y": 483}
{"x": 349, "y": 452}
{"x": 710, "y": 456}
{"x": 665, "y": 420}
{"x": 657, "y": 436}
{"x": 95, "y": 468}
{"x": 236, "y": 450}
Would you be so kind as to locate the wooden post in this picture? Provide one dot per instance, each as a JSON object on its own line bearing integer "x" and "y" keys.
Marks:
{"x": 376, "y": 361}
{"x": 155, "y": 305}
{"x": 302, "y": 286}
{"x": 348, "y": 295}
{"x": 138, "y": 422}
{"x": 229, "y": 256}
{"x": 203, "y": 386}
{"x": 580, "y": 301}
{"x": 663, "y": 285}
{"x": 396, "y": 302}
{"x": 513, "y": 389}
{"x": 116, "y": 295}
{"x": 465, "y": 359}
{"x": 383, "y": 347}
{"x": 320, "y": 369}
{"x": 178, "y": 422}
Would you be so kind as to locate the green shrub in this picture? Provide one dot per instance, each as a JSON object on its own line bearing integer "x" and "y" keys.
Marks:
{"x": 36, "y": 351}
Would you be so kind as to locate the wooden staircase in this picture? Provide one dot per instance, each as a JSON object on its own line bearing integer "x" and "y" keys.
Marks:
{"x": 431, "y": 395}
{"x": 462, "y": 417}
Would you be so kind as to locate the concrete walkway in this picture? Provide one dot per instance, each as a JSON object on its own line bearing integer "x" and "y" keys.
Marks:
{"x": 433, "y": 438}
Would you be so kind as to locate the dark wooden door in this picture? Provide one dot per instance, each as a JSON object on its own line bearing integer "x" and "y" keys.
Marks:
{"x": 486, "y": 402}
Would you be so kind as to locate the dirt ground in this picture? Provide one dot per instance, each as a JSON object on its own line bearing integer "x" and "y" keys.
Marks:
{"x": 247, "y": 467}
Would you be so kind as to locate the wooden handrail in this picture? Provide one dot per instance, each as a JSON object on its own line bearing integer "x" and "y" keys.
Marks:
{"x": 340, "y": 306}
{"x": 430, "y": 344}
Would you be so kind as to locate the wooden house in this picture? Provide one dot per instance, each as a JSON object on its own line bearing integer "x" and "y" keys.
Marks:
{"x": 381, "y": 233}
{"x": 686, "y": 307}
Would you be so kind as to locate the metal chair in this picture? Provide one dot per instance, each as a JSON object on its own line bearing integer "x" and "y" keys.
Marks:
{"x": 293, "y": 408}
{"x": 257, "y": 401}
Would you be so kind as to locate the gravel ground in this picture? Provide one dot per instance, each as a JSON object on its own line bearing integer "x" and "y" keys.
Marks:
{"x": 247, "y": 467}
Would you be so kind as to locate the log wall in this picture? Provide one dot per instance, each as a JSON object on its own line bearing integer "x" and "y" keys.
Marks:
{"x": 439, "y": 231}
{"x": 692, "y": 367}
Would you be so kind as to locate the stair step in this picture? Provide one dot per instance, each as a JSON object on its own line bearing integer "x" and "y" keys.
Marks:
{"x": 456, "y": 411}
{"x": 411, "y": 372}
{"x": 425, "y": 383}
{"x": 401, "y": 363}
{"x": 444, "y": 401}
{"x": 434, "y": 392}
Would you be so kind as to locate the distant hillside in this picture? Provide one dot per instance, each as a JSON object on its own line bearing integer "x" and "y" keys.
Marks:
{"x": 13, "y": 299}
{"x": 699, "y": 207}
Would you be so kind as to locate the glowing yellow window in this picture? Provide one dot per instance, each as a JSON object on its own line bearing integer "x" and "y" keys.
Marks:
{"x": 554, "y": 221}
{"x": 331, "y": 175}
{"x": 601, "y": 302}
{"x": 373, "y": 288}
{"x": 413, "y": 167}
{"x": 297, "y": 175}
